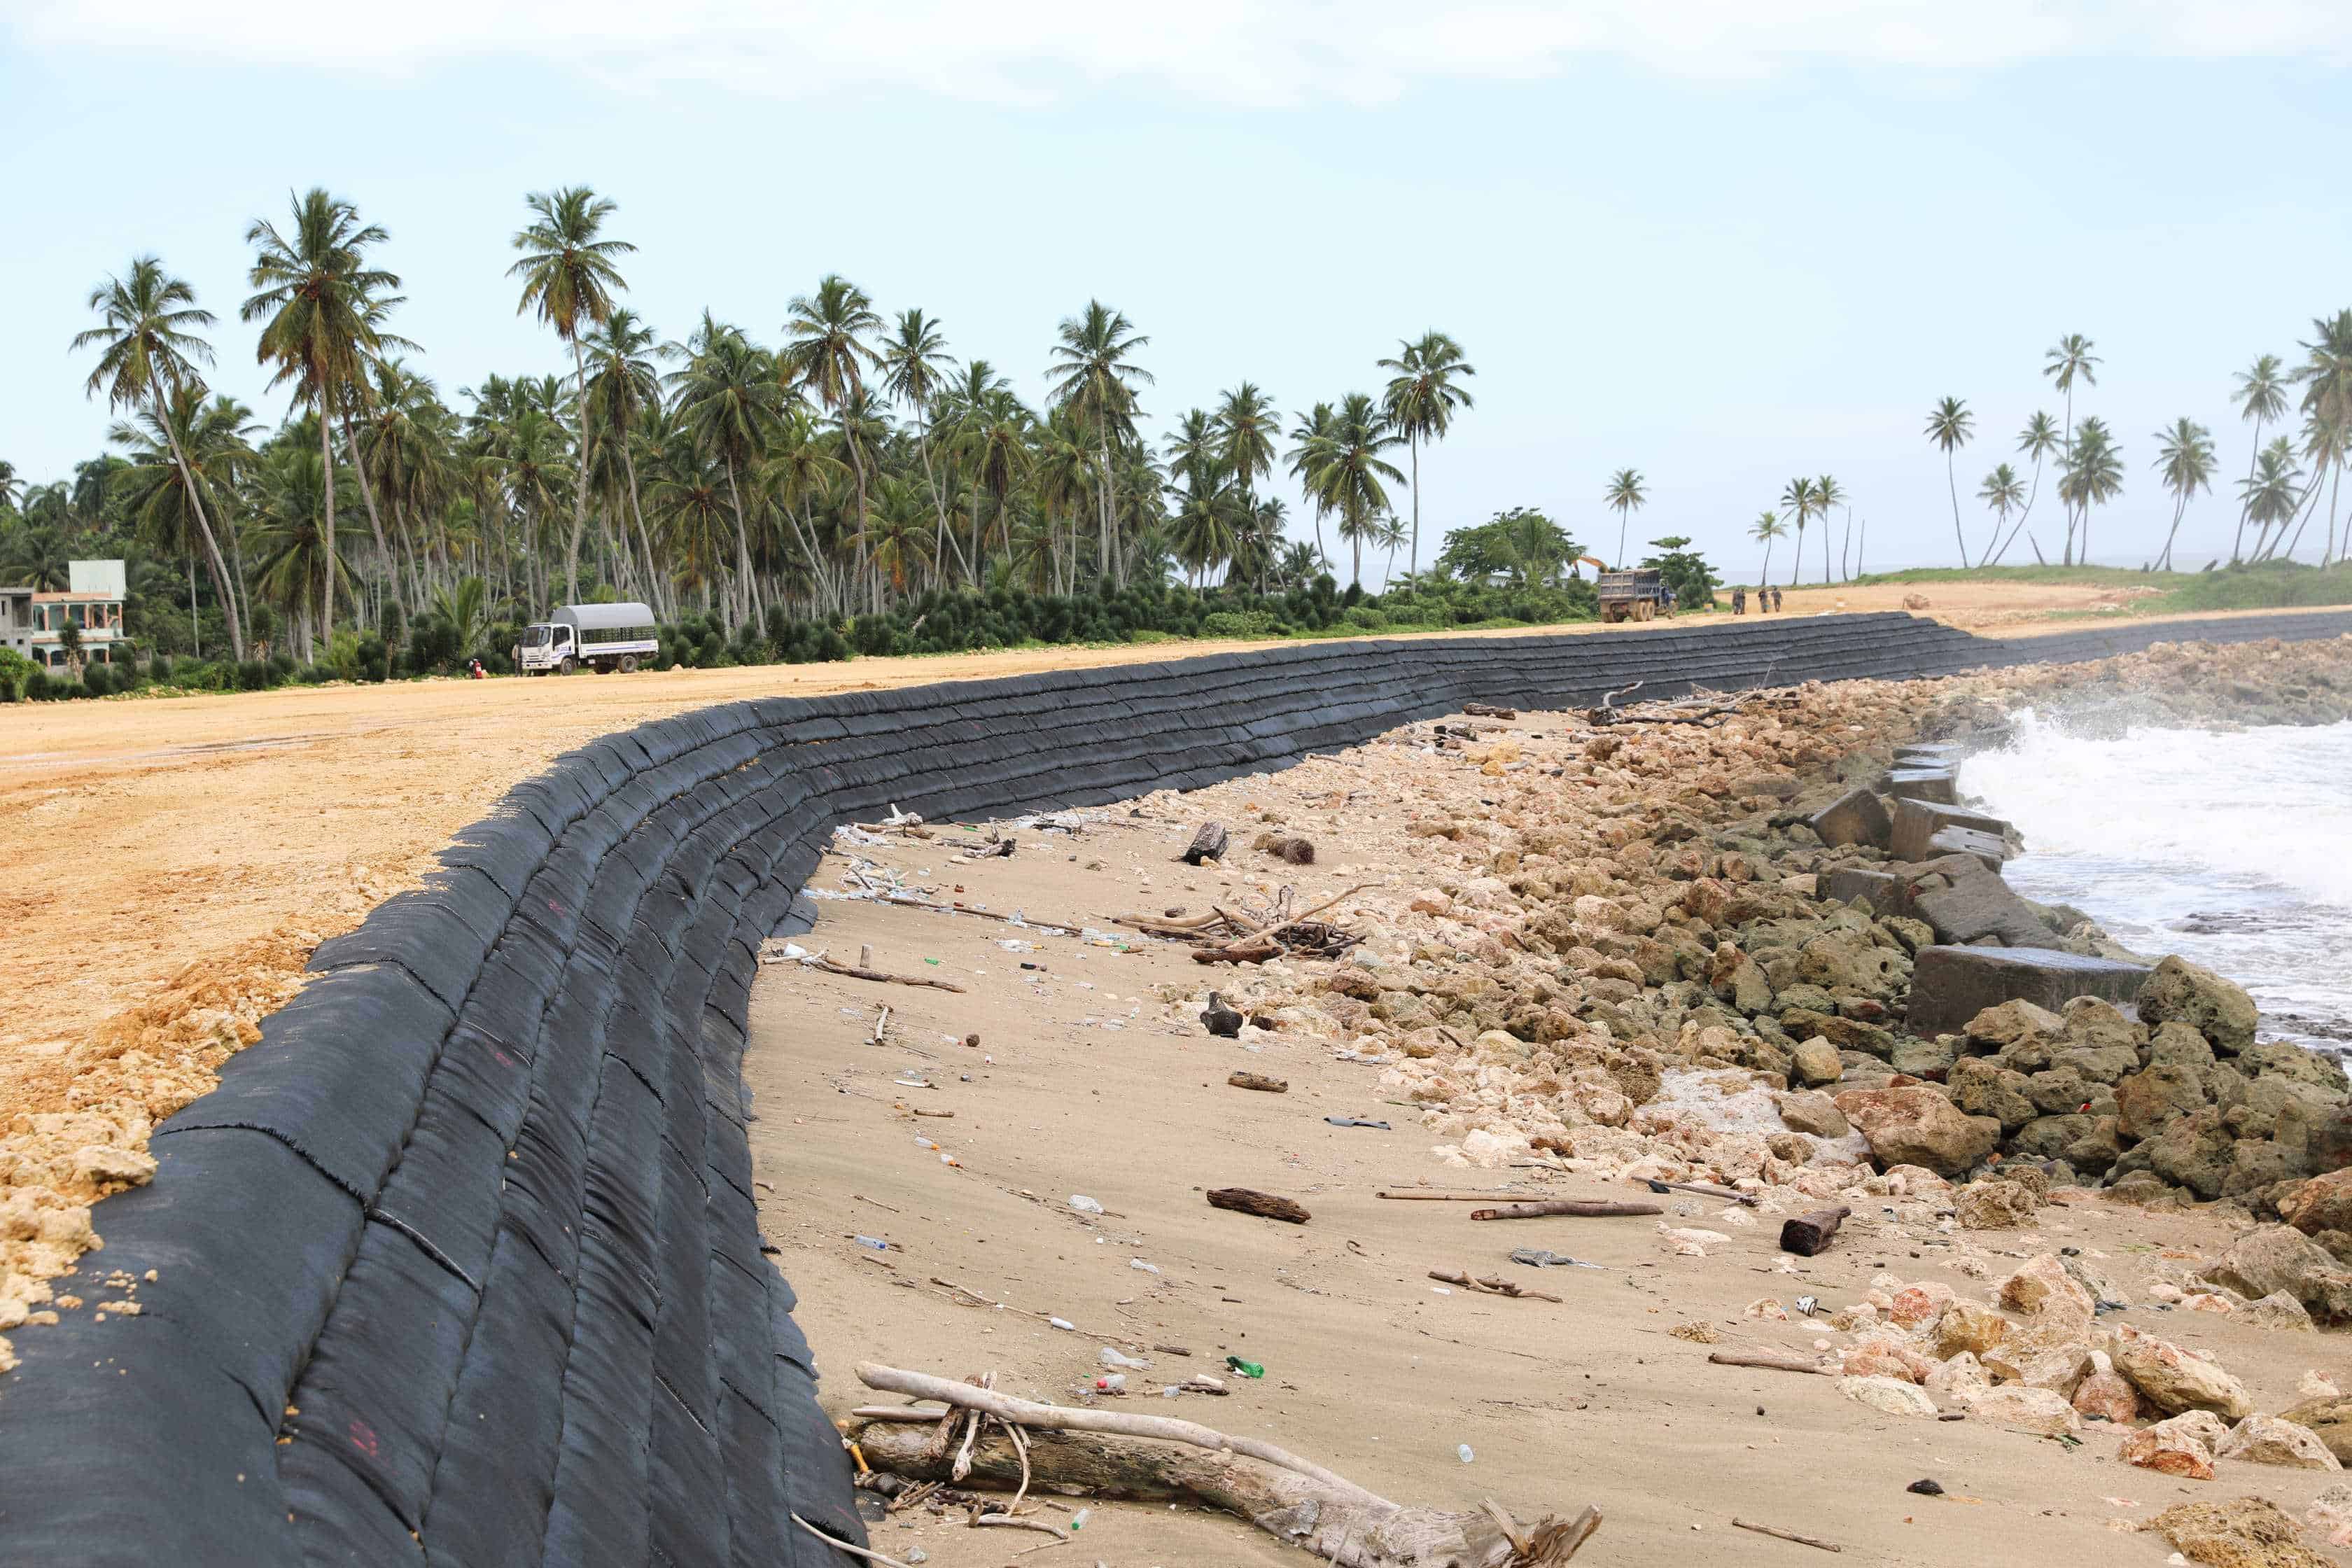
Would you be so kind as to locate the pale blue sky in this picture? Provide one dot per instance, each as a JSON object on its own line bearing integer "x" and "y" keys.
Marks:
{"x": 1724, "y": 243}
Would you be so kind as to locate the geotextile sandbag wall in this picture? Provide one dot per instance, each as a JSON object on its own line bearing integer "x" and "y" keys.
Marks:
{"x": 460, "y": 1265}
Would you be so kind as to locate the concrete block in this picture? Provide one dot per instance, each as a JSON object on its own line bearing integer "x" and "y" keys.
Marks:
{"x": 1914, "y": 822}
{"x": 1989, "y": 850}
{"x": 1857, "y": 816}
{"x": 1928, "y": 755}
{"x": 1940, "y": 784}
{"x": 1950, "y": 985}
{"x": 1965, "y": 903}
{"x": 1880, "y": 892}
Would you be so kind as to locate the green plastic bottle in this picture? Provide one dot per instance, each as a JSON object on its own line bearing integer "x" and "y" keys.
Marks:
{"x": 1246, "y": 1368}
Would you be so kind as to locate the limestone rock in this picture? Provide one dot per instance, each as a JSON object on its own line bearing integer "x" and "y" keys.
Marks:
{"x": 2043, "y": 1287}
{"x": 1982, "y": 1088}
{"x": 1957, "y": 1378}
{"x": 2182, "y": 1446}
{"x": 2279, "y": 1311}
{"x": 2329, "y": 1416}
{"x": 2216, "y": 1008}
{"x": 2107, "y": 1394}
{"x": 1970, "y": 1329}
{"x": 1810, "y": 1110}
{"x": 2278, "y": 1257}
{"x": 2147, "y": 1100}
{"x": 2176, "y": 1044}
{"x": 1995, "y": 1205}
{"x": 1915, "y": 1125}
{"x": 2011, "y": 1022}
{"x": 2196, "y": 1151}
{"x": 1889, "y": 1396}
{"x": 2268, "y": 1440}
{"x": 2322, "y": 1203}
{"x": 2040, "y": 1411}
{"x": 2244, "y": 1532}
{"x": 2172, "y": 1381}
{"x": 1816, "y": 1061}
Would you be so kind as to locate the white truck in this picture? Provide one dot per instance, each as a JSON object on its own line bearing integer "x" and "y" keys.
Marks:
{"x": 602, "y": 638}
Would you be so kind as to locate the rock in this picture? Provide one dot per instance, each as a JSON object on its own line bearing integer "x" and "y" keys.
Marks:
{"x": 2172, "y": 1380}
{"x": 1981, "y": 1089}
{"x": 1969, "y": 1328}
{"x": 1846, "y": 1034}
{"x": 2245, "y": 1533}
{"x": 2279, "y": 1311}
{"x": 2063, "y": 1092}
{"x": 1812, "y": 1111}
{"x": 2321, "y": 1204}
{"x": 102, "y": 1165}
{"x": 1889, "y": 1396}
{"x": 1816, "y": 1061}
{"x": 2216, "y": 1008}
{"x": 1857, "y": 816}
{"x": 2182, "y": 1446}
{"x": 1844, "y": 962}
{"x": 1957, "y": 1378}
{"x": 1923, "y": 1058}
{"x": 2268, "y": 1440}
{"x": 1995, "y": 1205}
{"x": 1966, "y": 904}
{"x": 2148, "y": 1100}
{"x": 1951, "y": 986}
{"x": 2279, "y": 1257}
{"x": 2039, "y": 1411}
{"x": 1918, "y": 1126}
{"x": 1739, "y": 980}
{"x": 2043, "y": 1287}
{"x": 2195, "y": 1151}
{"x": 2278, "y": 1059}
{"x": 2107, "y": 1394}
{"x": 2094, "y": 1024}
{"x": 1915, "y": 602}
{"x": 2010, "y": 1022}
{"x": 2176, "y": 1044}
{"x": 2330, "y": 1417}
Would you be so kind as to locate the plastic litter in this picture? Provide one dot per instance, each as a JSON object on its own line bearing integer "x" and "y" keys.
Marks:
{"x": 1246, "y": 1368}
{"x": 1084, "y": 1203}
{"x": 1462, "y": 1452}
{"x": 1110, "y": 1357}
{"x": 1544, "y": 1258}
{"x": 1357, "y": 1121}
{"x": 875, "y": 1242}
{"x": 1063, "y": 1323}
{"x": 1146, "y": 1267}
{"x": 1079, "y": 1520}
{"x": 1114, "y": 1382}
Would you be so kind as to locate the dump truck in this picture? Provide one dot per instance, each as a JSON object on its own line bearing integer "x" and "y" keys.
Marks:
{"x": 602, "y": 638}
{"x": 1638, "y": 595}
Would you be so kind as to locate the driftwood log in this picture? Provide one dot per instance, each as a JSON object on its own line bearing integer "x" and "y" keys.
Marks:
{"x": 1769, "y": 1361}
{"x": 1208, "y": 844}
{"x": 1258, "y": 1080}
{"x": 1809, "y": 1234}
{"x": 1343, "y": 1525}
{"x": 1574, "y": 1208}
{"x": 1268, "y": 1206}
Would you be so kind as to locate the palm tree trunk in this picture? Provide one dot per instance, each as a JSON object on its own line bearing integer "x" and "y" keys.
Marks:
{"x": 1845, "y": 548}
{"x": 195, "y": 621}
{"x": 2180, "y": 505}
{"x": 1415, "y": 447}
{"x": 636, "y": 508}
{"x": 1766, "y": 576}
{"x": 742, "y": 540}
{"x": 580, "y": 477}
{"x": 2310, "y": 508}
{"x": 1800, "y": 560}
{"x": 1953, "y": 486}
{"x": 2238, "y": 546}
{"x": 2334, "y": 484}
{"x": 212, "y": 562}
{"x": 367, "y": 493}
{"x": 327, "y": 523}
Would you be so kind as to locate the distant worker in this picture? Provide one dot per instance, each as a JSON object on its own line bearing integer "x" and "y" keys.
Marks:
{"x": 474, "y": 668}
{"x": 1740, "y": 601}
{"x": 1668, "y": 601}
{"x": 1776, "y": 600}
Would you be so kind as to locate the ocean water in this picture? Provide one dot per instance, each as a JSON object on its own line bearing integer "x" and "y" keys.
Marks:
{"x": 2233, "y": 850}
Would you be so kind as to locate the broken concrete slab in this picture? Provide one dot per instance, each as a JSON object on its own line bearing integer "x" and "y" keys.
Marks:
{"x": 1941, "y": 785}
{"x": 1882, "y": 892}
{"x": 1915, "y": 822}
{"x": 1988, "y": 850}
{"x": 1857, "y": 816}
{"x": 1964, "y": 902}
{"x": 1928, "y": 755}
{"x": 1950, "y": 985}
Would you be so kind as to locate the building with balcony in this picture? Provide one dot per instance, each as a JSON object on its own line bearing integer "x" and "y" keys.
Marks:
{"x": 93, "y": 602}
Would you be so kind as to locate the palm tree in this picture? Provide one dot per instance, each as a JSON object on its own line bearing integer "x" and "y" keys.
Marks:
{"x": 624, "y": 384}
{"x": 1626, "y": 495}
{"x": 915, "y": 368}
{"x": 2004, "y": 492}
{"x": 2040, "y": 438}
{"x": 1390, "y": 535}
{"x": 1093, "y": 377}
{"x": 569, "y": 277}
{"x": 730, "y": 400}
{"x": 1246, "y": 424}
{"x": 2272, "y": 492}
{"x": 294, "y": 566}
{"x": 1312, "y": 429}
{"x": 826, "y": 351}
{"x": 1420, "y": 401}
{"x": 1533, "y": 547}
{"x": 1797, "y": 500}
{"x": 2260, "y": 397}
{"x": 2326, "y": 377}
{"x": 467, "y": 612}
{"x": 1949, "y": 425}
{"x": 2093, "y": 474}
{"x": 1346, "y": 470}
{"x": 2185, "y": 457}
{"x": 188, "y": 458}
{"x": 1767, "y": 529}
{"x": 322, "y": 305}
{"x": 2069, "y": 359}
{"x": 1827, "y": 493}
{"x": 148, "y": 345}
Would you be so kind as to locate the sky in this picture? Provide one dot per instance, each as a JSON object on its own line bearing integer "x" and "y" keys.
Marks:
{"x": 1723, "y": 242}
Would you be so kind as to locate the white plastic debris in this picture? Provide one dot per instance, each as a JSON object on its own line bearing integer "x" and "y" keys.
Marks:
{"x": 1084, "y": 1203}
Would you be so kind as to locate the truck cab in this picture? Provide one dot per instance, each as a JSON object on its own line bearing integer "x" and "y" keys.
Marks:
{"x": 602, "y": 638}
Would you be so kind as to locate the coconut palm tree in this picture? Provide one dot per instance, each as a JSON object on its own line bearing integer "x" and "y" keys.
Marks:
{"x": 623, "y": 385}
{"x": 465, "y": 610}
{"x": 2004, "y": 492}
{"x": 1246, "y": 424}
{"x": 2272, "y": 492}
{"x": 1949, "y": 425}
{"x": 1797, "y": 502}
{"x": 2260, "y": 397}
{"x": 1625, "y": 496}
{"x": 827, "y": 353}
{"x": 569, "y": 277}
{"x": 2092, "y": 474}
{"x": 1096, "y": 378}
{"x": 730, "y": 399}
{"x": 2326, "y": 377}
{"x": 993, "y": 442}
{"x": 2040, "y": 438}
{"x": 294, "y": 567}
{"x": 188, "y": 458}
{"x": 2068, "y": 360}
{"x": 321, "y": 306}
{"x": 2185, "y": 457}
{"x": 149, "y": 348}
{"x": 916, "y": 367}
{"x": 1827, "y": 493}
{"x": 1424, "y": 392}
{"x": 1346, "y": 471}
{"x": 1312, "y": 428}
{"x": 1767, "y": 529}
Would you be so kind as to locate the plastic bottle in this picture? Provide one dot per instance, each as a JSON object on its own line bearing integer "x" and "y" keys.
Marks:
{"x": 1464, "y": 1453}
{"x": 1063, "y": 1323}
{"x": 1110, "y": 1357}
{"x": 875, "y": 1242}
{"x": 1113, "y": 1382}
{"x": 1246, "y": 1368}
{"x": 1079, "y": 1520}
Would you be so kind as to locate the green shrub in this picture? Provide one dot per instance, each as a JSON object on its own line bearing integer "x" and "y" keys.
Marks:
{"x": 15, "y": 671}
{"x": 1237, "y": 624}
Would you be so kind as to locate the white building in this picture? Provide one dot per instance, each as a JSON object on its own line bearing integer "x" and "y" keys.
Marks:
{"x": 92, "y": 601}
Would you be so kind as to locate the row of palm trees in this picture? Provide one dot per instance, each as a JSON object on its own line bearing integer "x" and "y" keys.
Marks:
{"x": 852, "y": 464}
{"x": 2279, "y": 497}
